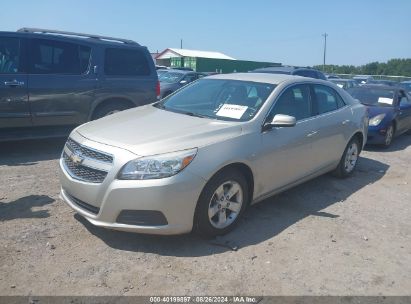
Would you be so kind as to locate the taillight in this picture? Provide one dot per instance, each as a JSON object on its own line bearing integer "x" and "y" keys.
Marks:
{"x": 158, "y": 89}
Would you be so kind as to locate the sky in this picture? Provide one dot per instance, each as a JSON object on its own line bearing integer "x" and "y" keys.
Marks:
{"x": 286, "y": 31}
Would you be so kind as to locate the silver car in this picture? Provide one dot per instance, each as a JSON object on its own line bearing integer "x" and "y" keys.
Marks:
{"x": 196, "y": 159}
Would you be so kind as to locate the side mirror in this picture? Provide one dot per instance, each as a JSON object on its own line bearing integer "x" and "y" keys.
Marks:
{"x": 183, "y": 81}
{"x": 280, "y": 120}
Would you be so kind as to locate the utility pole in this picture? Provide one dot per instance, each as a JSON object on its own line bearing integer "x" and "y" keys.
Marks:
{"x": 181, "y": 43}
{"x": 325, "y": 48}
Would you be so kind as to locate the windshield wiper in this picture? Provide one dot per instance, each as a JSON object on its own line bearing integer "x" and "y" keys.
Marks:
{"x": 192, "y": 114}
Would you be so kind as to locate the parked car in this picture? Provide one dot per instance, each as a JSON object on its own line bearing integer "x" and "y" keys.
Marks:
{"x": 406, "y": 85}
{"x": 175, "y": 79}
{"x": 290, "y": 70}
{"x": 362, "y": 79}
{"x": 332, "y": 76}
{"x": 344, "y": 83}
{"x": 51, "y": 81}
{"x": 161, "y": 72}
{"x": 383, "y": 82}
{"x": 389, "y": 111}
{"x": 213, "y": 147}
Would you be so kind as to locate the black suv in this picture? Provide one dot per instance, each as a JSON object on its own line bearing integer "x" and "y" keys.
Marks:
{"x": 51, "y": 81}
{"x": 305, "y": 72}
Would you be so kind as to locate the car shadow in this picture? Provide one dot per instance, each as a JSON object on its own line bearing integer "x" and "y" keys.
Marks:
{"x": 21, "y": 208}
{"x": 398, "y": 144}
{"x": 261, "y": 222}
{"x": 29, "y": 152}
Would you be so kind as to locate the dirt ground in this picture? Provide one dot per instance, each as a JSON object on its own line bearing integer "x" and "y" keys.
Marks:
{"x": 325, "y": 237}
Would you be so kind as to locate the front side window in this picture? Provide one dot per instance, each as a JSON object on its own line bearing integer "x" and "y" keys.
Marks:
{"x": 125, "y": 62}
{"x": 9, "y": 55}
{"x": 57, "y": 57}
{"x": 326, "y": 99}
{"x": 294, "y": 101}
{"x": 221, "y": 99}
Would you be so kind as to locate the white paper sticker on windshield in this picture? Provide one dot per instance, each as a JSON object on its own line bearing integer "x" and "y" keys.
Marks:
{"x": 340, "y": 85}
{"x": 232, "y": 111}
{"x": 385, "y": 100}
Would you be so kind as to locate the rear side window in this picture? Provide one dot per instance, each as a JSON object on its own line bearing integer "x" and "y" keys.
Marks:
{"x": 326, "y": 99}
{"x": 10, "y": 55}
{"x": 57, "y": 57}
{"x": 125, "y": 62}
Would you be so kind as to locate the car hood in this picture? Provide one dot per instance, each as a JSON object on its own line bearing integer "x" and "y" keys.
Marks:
{"x": 148, "y": 130}
{"x": 375, "y": 110}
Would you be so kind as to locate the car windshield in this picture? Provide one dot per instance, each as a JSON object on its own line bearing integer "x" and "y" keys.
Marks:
{"x": 161, "y": 72}
{"x": 221, "y": 99}
{"x": 170, "y": 77}
{"x": 373, "y": 96}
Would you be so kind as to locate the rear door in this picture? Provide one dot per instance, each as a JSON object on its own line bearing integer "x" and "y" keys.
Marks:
{"x": 61, "y": 85}
{"x": 129, "y": 73}
{"x": 333, "y": 117}
{"x": 14, "y": 105}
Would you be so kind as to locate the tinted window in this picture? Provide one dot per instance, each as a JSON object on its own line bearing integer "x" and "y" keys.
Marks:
{"x": 306, "y": 73}
{"x": 125, "y": 62}
{"x": 56, "y": 57}
{"x": 295, "y": 101}
{"x": 326, "y": 99}
{"x": 190, "y": 77}
{"x": 9, "y": 55}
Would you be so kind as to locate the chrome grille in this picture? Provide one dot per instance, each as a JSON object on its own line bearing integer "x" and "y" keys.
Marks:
{"x": 83, "y": 173}
{"x": 87, "y": 152}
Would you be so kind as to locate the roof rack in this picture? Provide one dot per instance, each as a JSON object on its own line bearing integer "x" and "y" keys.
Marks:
{"x": 45, "y": 31}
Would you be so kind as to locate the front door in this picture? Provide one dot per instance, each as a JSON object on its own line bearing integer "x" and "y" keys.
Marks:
{"x": 287, "y": 152}
{"x": 14, "y": 105}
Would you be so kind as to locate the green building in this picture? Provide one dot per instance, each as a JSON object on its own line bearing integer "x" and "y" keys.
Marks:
{"x": 202, "y": 61}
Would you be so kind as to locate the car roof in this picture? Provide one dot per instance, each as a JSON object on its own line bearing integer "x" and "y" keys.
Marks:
{"x": 70, "y": 38}
{"x": 283, "y": 69}
{"x": 340, "y": 79}
{"x": 180, "y": 71}
{"x": 260, "y": 77}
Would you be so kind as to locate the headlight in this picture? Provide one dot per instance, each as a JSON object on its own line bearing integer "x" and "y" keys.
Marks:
{"x": 157, "y": 166}
{"x": 375, "y": 121}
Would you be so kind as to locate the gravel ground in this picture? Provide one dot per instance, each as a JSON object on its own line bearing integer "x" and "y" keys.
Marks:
{"x": 325, "y": 237}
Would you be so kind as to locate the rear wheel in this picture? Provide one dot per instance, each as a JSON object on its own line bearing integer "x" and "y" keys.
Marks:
{"x": 221, "y": 203}
{"x": 349, "y": 159}
{"x": 109, "y": 109}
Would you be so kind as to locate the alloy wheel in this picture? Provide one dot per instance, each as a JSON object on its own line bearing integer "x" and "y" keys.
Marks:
{"x": 225, "y": 204}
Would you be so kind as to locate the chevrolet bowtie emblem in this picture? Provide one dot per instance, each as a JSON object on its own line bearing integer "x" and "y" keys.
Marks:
{"x": 76, "y": 158}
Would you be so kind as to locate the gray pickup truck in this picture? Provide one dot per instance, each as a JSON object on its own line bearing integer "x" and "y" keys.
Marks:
{"x": 52, "y": 81}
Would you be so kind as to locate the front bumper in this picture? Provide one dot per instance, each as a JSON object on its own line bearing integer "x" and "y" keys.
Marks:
{"x": 101, "y": 204}
{"x": 376, "y": 135}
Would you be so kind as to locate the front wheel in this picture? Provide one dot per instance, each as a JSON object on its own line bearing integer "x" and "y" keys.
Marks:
{"x": 389, "y": 135}
{"x": 221, "y": 203}
{"x": 349, "y": 159}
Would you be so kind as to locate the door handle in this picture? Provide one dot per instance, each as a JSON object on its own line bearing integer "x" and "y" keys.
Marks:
{"x": 312, "y": 133}
{"x": 345, "y": 121}
{"x": 14, "y": 83}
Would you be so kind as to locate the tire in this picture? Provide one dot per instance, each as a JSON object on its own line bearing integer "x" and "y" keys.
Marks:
{"x": 109, "y": 109}
{"x": 349, "y": 159}
{"x": 208, "y": 225}
{"x": 389, "y": 136}
{"x": 166, "y": 94}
